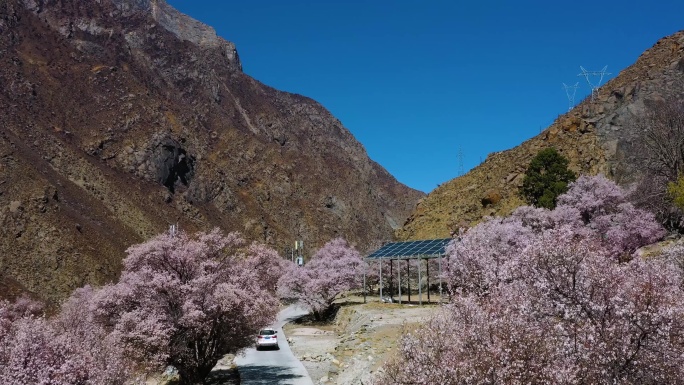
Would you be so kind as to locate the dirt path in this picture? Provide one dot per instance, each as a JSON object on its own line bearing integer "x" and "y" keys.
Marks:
{"x": 362, "y": 338}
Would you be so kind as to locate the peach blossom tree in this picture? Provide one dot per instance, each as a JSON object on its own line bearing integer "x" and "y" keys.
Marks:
{"x": 65, "y": 350}
{"x": 186, "y": 301}
{"x": 183, "y": 300}
{"x": 554, "y": 297}
{"x": 335, "y": 268}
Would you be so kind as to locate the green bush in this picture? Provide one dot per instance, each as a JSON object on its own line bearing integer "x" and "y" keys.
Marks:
{"x": 676, "y": 192}
{"x": 546, "y": 178}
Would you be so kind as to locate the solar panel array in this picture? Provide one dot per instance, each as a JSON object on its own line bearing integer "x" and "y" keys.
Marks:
{"x": 411, "y": 249}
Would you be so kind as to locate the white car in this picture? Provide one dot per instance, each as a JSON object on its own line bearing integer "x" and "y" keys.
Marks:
{"x": 267, "y": 338}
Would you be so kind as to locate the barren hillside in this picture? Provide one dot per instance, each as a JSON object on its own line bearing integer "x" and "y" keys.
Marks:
{"x": 596, "y": 136}
{"x": 121, "y": 117}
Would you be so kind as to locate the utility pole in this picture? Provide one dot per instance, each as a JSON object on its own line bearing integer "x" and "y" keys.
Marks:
{"x": 173, "y": 229}
{"x": 299, "y": 251}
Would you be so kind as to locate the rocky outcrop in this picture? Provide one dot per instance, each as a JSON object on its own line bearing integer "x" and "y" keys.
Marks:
{"x": 121, "y": 117}
{"x": 597, "y": 136}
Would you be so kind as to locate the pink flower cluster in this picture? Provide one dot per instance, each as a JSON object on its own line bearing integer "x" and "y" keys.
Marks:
{"x": 554, "y": 297}
{"x": 65, "y": 350}
{"x": 181, "y": 300}
{"x": 335, "y": 268}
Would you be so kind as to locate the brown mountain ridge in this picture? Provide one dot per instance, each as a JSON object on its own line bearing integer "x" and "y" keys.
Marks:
{"x": 597, "y": 136}
{"x": 122, "y": 117}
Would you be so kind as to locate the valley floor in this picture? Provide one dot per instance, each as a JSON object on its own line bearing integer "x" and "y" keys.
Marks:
{"x": 354, "y": 347}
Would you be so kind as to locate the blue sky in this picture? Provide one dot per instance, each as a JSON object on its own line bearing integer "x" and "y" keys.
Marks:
{"x": 418, "y": 81}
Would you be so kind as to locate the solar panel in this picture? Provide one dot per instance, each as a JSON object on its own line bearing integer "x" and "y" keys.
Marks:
{"x": 431, "y": 248}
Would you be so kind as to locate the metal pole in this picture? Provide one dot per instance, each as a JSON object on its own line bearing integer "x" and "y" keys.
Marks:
{"x": 427, "y": 268}
{"x": 441, "y": 300}
{"x": 408, "y": 278}
{"x": 420, "y": 285}
{"x": 391, "y": 279}
{"x": 364, "y": 281}
{"x": 381, "y": 281}
{"x": 399, "y": 279}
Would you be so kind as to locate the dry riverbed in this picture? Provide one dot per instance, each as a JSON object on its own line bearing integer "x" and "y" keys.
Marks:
{"x": 354, "y": 347}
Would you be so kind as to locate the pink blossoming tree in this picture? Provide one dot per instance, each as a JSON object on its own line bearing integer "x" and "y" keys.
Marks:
{"x": 603, "y": 208}
{"x": 266, "y": 264}
{"x": 181, "y": 300}
{"x": 567, "y": 315}
{"x": 335, "y": 268}
{"x": 66, "y": 350}
{"x": 555, "y": 297}
{"x": 186, "y": 301}
{"x": 482, "y": 257}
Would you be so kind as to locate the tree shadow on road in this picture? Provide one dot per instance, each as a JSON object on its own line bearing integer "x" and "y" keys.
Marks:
{"x": 224, "y": 377}
{"x": 266, "y": 375}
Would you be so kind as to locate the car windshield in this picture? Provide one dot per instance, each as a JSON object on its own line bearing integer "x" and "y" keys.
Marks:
{"x": 267, "y": 332}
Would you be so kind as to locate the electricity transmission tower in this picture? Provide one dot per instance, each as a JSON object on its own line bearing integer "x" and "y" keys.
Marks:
{"x": 460, "y": 161}
{"x": 571, "y": 94}
{"x": 600, "y": 74}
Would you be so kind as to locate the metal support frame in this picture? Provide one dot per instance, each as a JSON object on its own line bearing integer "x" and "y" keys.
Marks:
{"x": 420, "y": 280}
{"x": 391, "y": 279}
{"x": 408, "y": 250}
{"x": 381, "y": 280}
{"x": 571, "y": 96}
{"x": 600, "y": 74}
{"x": 419, "y": 265}
{"x": 420, "y": 284}
{"x": 408, "y": 278}
{"x": 364, "y": 282}
{"x": 399, "y": 281}
{"x": 427, "y": 270}
{"x": 441, "y": 299}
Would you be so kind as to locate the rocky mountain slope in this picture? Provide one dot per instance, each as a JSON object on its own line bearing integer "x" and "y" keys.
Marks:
{"x": 121, "y": 117}
{"x": 597, "y": 136}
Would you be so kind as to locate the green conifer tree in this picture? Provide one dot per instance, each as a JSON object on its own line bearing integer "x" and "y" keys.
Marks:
{"x": 546, "y": 178}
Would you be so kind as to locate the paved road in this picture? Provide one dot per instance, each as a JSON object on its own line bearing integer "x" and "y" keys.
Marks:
{"x": 274, "y": 367}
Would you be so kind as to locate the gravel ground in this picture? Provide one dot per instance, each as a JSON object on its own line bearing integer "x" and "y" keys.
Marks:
{"x": 354, "y": 347}
{"x": 314, "y": 347}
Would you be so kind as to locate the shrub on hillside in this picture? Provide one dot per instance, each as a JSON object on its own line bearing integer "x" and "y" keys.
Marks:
{"x": 546, "y": 178}
{"x": 659, "y": 159}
